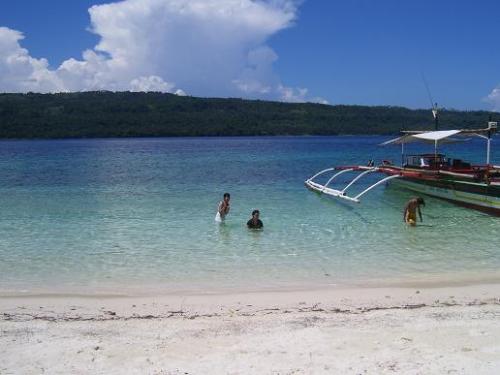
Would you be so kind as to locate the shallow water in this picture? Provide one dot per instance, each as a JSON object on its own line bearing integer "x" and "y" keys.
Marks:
{"x": 138, "y": 214}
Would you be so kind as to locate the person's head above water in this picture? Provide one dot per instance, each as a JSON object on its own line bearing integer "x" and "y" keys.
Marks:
{"x": 421, "y": 201}
{"x": 254, "y": 222}
{"x": 227, "y": 197}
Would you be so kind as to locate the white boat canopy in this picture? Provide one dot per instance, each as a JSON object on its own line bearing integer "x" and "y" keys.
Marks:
{"x": 436, "y": 135}
{"x": 440, "y": 136}
{"x": 445, "y": 136}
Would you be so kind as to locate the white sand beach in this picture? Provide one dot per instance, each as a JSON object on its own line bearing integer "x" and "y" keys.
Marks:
{"x": 445, "y": 330}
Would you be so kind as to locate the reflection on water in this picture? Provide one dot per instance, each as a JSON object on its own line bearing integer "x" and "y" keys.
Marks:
{"x": 137, "y": 212}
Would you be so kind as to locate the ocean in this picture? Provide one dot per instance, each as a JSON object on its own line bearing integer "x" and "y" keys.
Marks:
{"x": 136, "y": 216}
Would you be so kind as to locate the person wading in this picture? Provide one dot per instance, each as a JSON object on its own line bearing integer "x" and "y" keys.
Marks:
{"x": 223, "y": 208}
{"x": 411, "y": 209}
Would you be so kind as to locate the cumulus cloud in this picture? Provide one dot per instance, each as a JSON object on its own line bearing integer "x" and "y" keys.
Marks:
{"x": 298, "y": 95}
{"x": 494, "y": 98}
{"x": 151, "y": 83}
{"x": 199, "y": 47}
{"x": 19, "y": 72}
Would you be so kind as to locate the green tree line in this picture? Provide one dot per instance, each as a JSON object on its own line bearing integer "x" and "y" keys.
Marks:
{"x": 127, "y": 114}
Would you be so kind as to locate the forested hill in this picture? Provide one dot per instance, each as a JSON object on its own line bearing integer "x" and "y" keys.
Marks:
{"x": 125, "y": 114}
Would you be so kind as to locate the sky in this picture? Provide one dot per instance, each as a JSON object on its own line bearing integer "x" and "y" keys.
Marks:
{"x": 363, "y": 52}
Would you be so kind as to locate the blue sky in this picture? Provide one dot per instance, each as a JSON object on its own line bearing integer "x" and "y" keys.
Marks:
{"x": 345, "y": 52}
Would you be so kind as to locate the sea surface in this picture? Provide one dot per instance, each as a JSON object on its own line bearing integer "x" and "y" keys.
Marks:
{"x": 137, "y": 216}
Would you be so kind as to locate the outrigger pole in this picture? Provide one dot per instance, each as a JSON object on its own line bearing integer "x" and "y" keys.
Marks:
{"x": 325, "y": 189}
{"x": 488, "y": 133}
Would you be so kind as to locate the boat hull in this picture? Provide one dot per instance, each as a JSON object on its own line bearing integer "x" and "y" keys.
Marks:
{"x": 478, "y": 196}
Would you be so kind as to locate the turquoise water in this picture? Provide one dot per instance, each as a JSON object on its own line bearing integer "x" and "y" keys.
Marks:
{"x": 138, "y": 215}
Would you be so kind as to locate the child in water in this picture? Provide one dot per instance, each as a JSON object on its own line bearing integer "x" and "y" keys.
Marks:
{"x": 223, "y": 208}
{"x": 255, "y": 222}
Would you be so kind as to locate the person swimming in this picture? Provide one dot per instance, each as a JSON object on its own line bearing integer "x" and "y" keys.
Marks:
{"x": 410, "y": 213}
{"x": 255, "y": 222}
{"x": 223, "y": 208}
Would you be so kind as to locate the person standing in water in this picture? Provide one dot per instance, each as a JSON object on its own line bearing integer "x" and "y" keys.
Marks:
{"x": 410, "y": 214}
{"x": 255, "y": 222}
{"x": 223, "y": 208}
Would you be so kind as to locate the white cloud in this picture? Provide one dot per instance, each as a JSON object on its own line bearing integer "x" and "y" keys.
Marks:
{"x": 494, "y": 98}
{"x": 151, "y": 83}
{"x": 19, "y": 72}
{"x": 202, "y": 47}
{"x": 298, "y": 95}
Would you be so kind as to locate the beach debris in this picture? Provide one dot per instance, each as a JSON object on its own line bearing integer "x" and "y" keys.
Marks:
{"x": 316, "y": 307}
{"x": 414, "y": 306}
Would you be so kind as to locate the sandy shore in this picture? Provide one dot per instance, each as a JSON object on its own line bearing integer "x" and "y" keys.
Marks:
{"x": 452, "y": 330}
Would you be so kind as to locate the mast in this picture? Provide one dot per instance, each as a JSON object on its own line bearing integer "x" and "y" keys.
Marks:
{"x": 402, "y": 154}
{"x": 434, "y": 105}
{"x": 436, "y": 124}
{"x": 492, "y": 128}
{"x": 436, "y": 116}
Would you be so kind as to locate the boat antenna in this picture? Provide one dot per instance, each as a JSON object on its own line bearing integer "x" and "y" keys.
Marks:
{"x": 434, "y": 105}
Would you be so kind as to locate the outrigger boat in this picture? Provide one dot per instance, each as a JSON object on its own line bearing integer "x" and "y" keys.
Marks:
{"x": 473, "y": 186}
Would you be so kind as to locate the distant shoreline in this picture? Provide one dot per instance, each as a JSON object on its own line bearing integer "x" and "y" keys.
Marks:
{"x": 199, "y": 136}
{"x": 277, "y": 136}
{"x": 132, "y": 115}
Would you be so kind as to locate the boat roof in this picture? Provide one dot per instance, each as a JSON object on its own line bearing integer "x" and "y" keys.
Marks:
{"x": 492, "y": 128}
{"x": 441, "y": 136}
{"x": 438, "y": 135}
